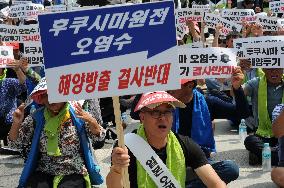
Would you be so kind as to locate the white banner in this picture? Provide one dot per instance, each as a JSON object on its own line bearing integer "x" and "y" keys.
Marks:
{"x": 275, "y": 6}
{"x": 212, "y": 20}
{"x": 55, "y": 8}
{"x": 6, "y": 56}
{"x": 280, "y": 23}
{"x": 150, "y": 161}
{"x": 199, "y": 63}
{"x": 267, "y": 55}
{"x": 5, "y": 11}
{"x": 25, "y": 10}
{"x": 268, "y": 23}
{"x": 15, "y": 2}
{"x": 33, "y": 51}
{"x": 22, "y": 33}
{"x": 188, "y": 14}
{"x": 238, "y": 43}
{"x": 238, "y": 15}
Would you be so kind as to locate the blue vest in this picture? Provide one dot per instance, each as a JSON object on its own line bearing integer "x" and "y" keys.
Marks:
{"x": 31, "y": 163}
{"x": 201, "y": 130}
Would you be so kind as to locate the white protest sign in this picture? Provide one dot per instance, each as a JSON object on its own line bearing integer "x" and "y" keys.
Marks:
{"x": 275, "y": 6}
{"x": 238, "y": 15}
{"x": 22, "y": 33}
{"x": 25, "y": 10}
{"x": 188, "y": 14}
{"x": 204, "y": 8}
{"x": 267, "y": 55}
{"x": 199, "y": 63}
{"x": 33, "y": 51}
{"x": 84, "y": 7}
{"x": 212, "y": 20}
{"x": 280, "y": 23}
{"x": 150, "y": 161}
{"x": 181, "y": 30}
{"x": 5, "y": 11}
{"x": 21, "y": 2}
{"x": 55, "y": 8}
{"x": 238, "y": 43}
{"x": 282, "y": 5}
{"x": 6, "y": 56}
{"x": 268, "y": 23}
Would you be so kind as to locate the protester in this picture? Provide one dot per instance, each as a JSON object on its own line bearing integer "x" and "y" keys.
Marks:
{"x": 265, "y": 92}
{"x": 10, "y": 88}
{"x": 156, "y": 121}
{"x": 54, "y": 139}
{"x": 277, "y": 173}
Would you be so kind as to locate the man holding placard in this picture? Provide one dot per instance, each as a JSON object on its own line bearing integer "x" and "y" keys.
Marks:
{"x": 162, "y": 147}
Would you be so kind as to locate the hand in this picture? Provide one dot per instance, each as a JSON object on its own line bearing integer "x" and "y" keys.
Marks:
{"x": 15, "y": 65}
{"x": 82, "y": 114}
{"x": 245, "y": 64}
{"x": 218, "y": 28}
{"x": 256, "y": 30}
{"x": 120, "y": 158}
{"x": 246, "y": 28}
{"x": 18, "y": 115}
{"x": 237, "y": 78}
{"x": 24, "y": 64}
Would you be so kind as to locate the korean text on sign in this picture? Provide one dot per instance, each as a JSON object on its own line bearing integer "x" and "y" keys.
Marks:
{"x": 113, "y": 51}
{"x": 6, "y": 56}
{"x": 206, "y": 62}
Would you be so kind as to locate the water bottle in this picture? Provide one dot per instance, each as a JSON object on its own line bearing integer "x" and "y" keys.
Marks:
{"x": 33, "y": 109}
{"x": 124, "y": 117}
{"x": 266, "y": 157}
{"x": 242, "y": 131}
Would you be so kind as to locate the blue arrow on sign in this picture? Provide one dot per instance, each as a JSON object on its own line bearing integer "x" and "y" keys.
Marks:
{"x": 81, "y": 36}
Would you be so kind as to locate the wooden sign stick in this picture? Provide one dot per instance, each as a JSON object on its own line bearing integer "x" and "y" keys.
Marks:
{"x": 120, "y": 137}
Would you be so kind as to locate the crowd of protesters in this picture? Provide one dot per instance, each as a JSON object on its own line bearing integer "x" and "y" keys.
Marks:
{"x": 57, "y": 140}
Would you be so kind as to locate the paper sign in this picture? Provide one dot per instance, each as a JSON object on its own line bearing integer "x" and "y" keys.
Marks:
{"x": 267, "y": 55}
{"x": 114, "y": 51}
{"x": 55, "y": 8}
{"x": 275, "y": 6}
{"x": 5, "y": 11}
{"x": 33, "y": 51}
{"x": 22, "y": 33}
{"x": 212, "y": 20}
{"x": 238, "y": 43}
{"x": 25, "y": 10}
{"x": 15, "y": 2}
{"x": 280, "y": 23}
{"x": 238, "y": 15}
{"x": 199, "y": 63}
{"x": 188, "y": 14}
{"x": 268, "y": 23}
{"x": 204, "y": 8}
{"x": 6, "y": 56}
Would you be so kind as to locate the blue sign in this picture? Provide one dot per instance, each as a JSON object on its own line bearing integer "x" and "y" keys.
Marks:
{"x": 81, "y": 36}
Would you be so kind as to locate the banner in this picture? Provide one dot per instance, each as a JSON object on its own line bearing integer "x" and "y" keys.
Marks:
{"x": 267, "y": 55}
{"x": 199, "y": 63}
{"x": 6, "y": 56}
{"x": 33, "y": 51}
{"x": 275, "y": 6}
{"x": 212, "y": 20}
{"x": 114, "y": 51}
{"x": 238, "y": 43}
{"x": 188, "y": 14}
{"x": 268, "y": 23}
{"x": 238, "y": 15}
{"x": 5, "y": 11}
{"x": 55, "y": 8}
{"x": 21, "y": 34}
{"x": 25, "y": 10}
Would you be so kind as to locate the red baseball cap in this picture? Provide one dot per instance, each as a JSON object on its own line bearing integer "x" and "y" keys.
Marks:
{"x": 15, "y": 45}
{"x": 183, "y": 81}
{"x": 153, "y": 99}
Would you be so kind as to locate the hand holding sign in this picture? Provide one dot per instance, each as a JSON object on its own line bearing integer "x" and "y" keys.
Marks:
{"x": 237, "y": 78}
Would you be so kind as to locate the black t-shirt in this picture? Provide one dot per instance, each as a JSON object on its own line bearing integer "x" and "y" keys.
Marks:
{"x": 194, "y": 157}
{"x": 185, "y": 119}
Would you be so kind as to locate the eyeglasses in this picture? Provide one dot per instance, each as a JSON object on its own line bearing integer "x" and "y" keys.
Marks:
{"x": 156, "y": 114}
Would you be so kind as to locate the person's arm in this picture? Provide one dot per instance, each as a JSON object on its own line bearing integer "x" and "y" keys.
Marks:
{"x": 278, "y": 125}
{"x": 119, "y": 159}
{"x": 30, "y": 73}
{"x": 209, "y": 177}
{"x": 16, "y": 67}
{"x": 217, "y": 35}
{"x": 203, "y": 39}
{"x": 194, "y": 34}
